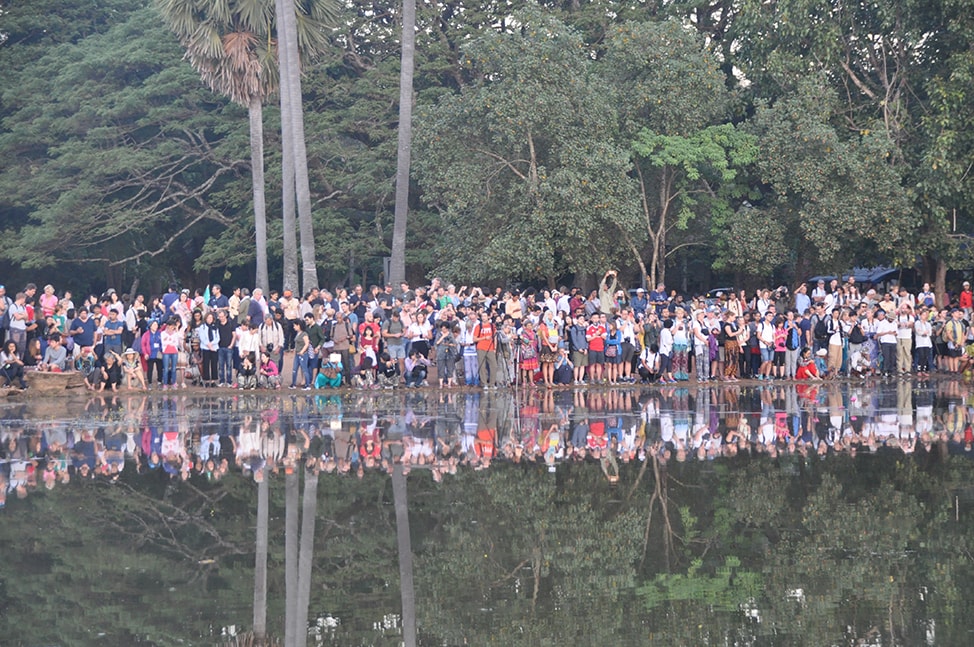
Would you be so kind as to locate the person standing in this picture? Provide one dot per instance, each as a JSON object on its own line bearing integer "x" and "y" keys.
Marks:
{"x": 905, "y": 322}
{"x": 886, "y": 335}
{"x": 486, "y": 343}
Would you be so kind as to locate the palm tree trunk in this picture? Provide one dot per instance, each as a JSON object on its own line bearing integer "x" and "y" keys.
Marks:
{"x": 397, "y": 267}
{"x": 407, "y": 592}
{"x": 287, "y": 165}
{"x": 260, "y": 565}
{"x": 256, "y": 113}
{"x": 290, "y": 558}
{"x": 289, "y": 36}
{"x": 309, "y": 509}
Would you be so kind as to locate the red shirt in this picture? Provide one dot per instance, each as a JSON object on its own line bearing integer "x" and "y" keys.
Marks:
{"x": 596, "y": 337}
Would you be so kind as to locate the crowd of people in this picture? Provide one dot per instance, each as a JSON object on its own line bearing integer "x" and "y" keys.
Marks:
{"x": 388, "y": 337}
{"x": 197, "y": 436}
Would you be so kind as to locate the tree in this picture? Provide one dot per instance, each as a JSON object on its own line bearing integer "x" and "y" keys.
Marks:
{"x": 304, "y": 36}
{"x": 118, "y": 167}
{"x": 680, "y": 174}
{"x": 228, "y": 44}
{"x": 397, "y": 269}
{"x": 672, "y": 110}
{"x": 522, "y": 164}
{"x": 838, "y": 198}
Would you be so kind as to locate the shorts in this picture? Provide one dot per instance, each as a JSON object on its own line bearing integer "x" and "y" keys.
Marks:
{"x": 628, "y": 351}
{"x": 396, "y": 351}
{"x": 665, "y": 363}
{"x": 767, "y": 354}
{"x": 596, "y": 357}
{"x": 955, "y": 352}
{"x": 580, "y": 358}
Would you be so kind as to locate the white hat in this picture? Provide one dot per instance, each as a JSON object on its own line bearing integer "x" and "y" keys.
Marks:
{"x": 822, "y": 352}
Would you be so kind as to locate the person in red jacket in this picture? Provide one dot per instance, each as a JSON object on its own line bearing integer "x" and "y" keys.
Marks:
{"x": 966, "y": 301}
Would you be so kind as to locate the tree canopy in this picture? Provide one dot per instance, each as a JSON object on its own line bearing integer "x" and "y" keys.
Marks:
{"x": 539, "y": 149}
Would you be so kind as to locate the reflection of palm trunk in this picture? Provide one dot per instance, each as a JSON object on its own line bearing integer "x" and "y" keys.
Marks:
{"x": 309, "y": 508}
{"x": 407, "y": 593}
{"x": 290, "y": 557}
{"x": 260, "y": 566}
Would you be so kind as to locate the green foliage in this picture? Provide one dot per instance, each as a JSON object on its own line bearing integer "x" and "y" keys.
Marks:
{"x": 521, "y": 163}
{"x": 116, "y": 162}
{"x": 843, "y": 195}
{"x": 728, "y": 589}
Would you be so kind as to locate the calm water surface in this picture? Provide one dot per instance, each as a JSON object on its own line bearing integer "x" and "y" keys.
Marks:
{"x": 785, "y": 515}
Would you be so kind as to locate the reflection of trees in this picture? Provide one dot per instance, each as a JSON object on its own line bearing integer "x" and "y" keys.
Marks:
{"x": 800, "y": 553}
{"x": 405, "y": 552}
{"x": 833, "y": 552}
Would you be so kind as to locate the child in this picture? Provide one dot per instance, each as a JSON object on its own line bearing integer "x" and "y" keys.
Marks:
{"x": 87, "y": 364}
{"x": 270, "y": 377}
{"x": 247, "y": 375}
{"x": 132, "y": 369}
{"x": 330, "y": 374}
{"x": 388, "y": 373}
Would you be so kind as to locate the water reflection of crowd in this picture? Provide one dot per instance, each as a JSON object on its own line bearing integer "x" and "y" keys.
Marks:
{"x": 196, "y": 437}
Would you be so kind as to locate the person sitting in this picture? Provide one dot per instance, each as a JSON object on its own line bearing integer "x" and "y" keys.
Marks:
{"x": 247, "y": 375}
{"x": 417, "y": 368}
{"x": 132, "y": 369}
{"x": 55, "y": 357}
{"x": 649, "y": 363}
{"x": 87, "y": 364}
{"x": 110, "y": 372}
{"x": 388, "y": 371}
{"x": 367, "y": 366}
{"x": 330, "y": 375}
{"x": 11, "y": 366}
{"x": 564, "y": 370}
{"x": 807, "y": 370}
{"x": 269, "y": 377}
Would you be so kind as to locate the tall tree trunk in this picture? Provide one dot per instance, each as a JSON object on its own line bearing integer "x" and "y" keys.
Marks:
{"x": 256, "y": 113}
{"x": 290, "y": 558}
{"x": 260, "y": 566}
{"x": 407, "y": 592}
{"x": 287, "y": 164}
{"x": 397, "y": 267}
{"x": 289, "y": 36}
{"x": 940, "y": 284}
{"x": 309, "y": 509}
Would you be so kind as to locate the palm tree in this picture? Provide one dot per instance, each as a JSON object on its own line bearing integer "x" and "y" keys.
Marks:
{"x": 228, "y": 44}
{"x": 300, "y": 32}
{"x": 231, "y": 44}
{"x": 397, "y": 267}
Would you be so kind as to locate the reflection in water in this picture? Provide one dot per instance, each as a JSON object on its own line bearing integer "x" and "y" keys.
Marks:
{"x": 193, "y": 436}
{"x": 788, "y": 514}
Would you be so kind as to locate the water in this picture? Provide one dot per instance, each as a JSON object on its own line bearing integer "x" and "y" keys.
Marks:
{"x": 785, "y": 515}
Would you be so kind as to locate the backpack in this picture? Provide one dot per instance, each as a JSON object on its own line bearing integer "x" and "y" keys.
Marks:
{"x": 821, "y": 330}
{"x": 793, "y": 340}
{"x": 856, "y": 336}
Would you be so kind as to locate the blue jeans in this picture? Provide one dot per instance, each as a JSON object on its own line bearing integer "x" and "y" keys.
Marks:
{"x": 224, "y": 365}
{"x": 169, "y": 361}
{"x": 301, "y": 361}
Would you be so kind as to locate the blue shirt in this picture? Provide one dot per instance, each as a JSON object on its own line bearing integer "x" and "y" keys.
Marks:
{"x": 802, "y": 303}
{"x": 87, "y": 336}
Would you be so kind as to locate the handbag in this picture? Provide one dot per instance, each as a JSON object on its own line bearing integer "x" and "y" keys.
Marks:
{"x": 611, "y": 350}
{"x": 351, "y": 349}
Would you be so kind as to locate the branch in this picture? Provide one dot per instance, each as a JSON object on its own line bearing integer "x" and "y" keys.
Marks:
{"x": 504, "y": 162}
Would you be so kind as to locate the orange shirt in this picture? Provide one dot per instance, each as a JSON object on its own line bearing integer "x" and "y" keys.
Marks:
{"x": 484, "y": 334}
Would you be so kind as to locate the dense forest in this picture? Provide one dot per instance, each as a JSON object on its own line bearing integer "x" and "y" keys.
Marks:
{"x": 688, "y": 141}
